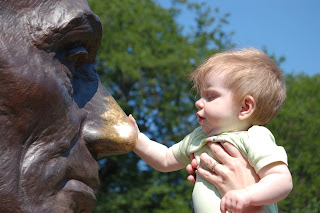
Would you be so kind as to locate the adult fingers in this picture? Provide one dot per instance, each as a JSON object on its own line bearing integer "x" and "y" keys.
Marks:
{"x": 191, "y": 179}
{"x": 208, "y": 175}
{"x": 210, "y": 163}
{"x": 232, "y": 150}
{"x": 190, "y": 169}
{"x": 194, "y": 163}
{"x": 218, "y": 150}
{"x": 213, "y": 167}
{"x": 222, "y": 152}
{"x": 192, "y": 174}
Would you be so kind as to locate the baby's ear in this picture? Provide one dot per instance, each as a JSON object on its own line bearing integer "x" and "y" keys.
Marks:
{"x": 248, "y": 106}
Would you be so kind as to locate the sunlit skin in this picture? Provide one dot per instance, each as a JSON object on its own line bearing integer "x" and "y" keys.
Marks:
{"x": 217, "y": 112}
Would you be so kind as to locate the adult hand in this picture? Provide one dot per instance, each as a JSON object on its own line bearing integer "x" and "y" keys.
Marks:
{"x": 234, "y": 171}
{"x": 191, "y": 169}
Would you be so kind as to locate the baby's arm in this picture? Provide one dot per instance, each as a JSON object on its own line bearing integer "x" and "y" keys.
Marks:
{"x": 155, "y": 154}
{"x": 275, "y": 185}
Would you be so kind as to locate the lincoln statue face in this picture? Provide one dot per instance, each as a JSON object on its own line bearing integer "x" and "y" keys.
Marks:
{"x": 56, "y": 118}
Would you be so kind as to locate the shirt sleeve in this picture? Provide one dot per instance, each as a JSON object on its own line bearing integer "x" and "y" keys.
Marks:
{"x": 182, "y": 149}
{"x": 262, "y": 149}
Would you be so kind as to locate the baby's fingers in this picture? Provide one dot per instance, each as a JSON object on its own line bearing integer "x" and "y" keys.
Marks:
{"x": 223, "y": 208}
{"x": 133, "y": 121}
{"x": 235, "y": 201}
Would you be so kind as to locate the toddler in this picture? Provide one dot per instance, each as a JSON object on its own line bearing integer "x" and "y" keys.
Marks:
{"x": 241, "y": 91}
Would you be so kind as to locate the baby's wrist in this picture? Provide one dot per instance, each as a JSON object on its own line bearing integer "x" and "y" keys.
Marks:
{"x": 142, "y": 137}
{"x": 248, "y": 195}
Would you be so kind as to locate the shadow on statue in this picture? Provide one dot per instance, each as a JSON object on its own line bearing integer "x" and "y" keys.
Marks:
{"x": 56, "y": 118}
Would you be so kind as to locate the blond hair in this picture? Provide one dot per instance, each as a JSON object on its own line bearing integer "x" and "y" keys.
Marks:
{"x": 248, "y": 72}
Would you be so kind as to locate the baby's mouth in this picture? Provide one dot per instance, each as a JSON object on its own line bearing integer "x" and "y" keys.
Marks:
{"x": 200, "y": 118}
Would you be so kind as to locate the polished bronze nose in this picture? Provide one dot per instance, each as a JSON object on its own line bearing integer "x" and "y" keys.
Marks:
{"x": 107, "y": 130}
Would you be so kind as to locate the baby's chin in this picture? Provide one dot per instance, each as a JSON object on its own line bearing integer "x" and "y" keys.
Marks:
{"x": 214, "y": 132}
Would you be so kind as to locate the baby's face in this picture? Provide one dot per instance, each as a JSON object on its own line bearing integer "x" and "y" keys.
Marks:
{"x": 217, "y": 112}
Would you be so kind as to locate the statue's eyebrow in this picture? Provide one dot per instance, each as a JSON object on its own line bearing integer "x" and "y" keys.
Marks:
{"x": 85, "y": 28}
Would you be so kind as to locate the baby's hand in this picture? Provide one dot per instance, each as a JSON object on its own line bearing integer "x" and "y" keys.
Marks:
{"x": 133, "y": 121}
{"x": 235, "y": 201}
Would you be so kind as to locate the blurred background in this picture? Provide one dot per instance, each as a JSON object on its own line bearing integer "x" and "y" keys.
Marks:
{"x": 149, "y": 48}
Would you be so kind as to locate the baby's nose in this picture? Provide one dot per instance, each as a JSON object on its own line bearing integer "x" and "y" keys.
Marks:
{"x": 199, "y": 103}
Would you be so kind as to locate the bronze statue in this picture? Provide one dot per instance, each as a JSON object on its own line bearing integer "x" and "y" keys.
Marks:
{"x": 56, "y": 118}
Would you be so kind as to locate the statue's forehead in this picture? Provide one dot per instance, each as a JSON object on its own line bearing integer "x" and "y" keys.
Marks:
{"x": 55, "y": 14}
{"x": 48, "y": 21}
{"x": 36, "y": 17}
{"x": 15, "y": 6}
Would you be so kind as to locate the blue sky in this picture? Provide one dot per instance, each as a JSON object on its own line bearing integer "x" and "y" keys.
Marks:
{"x": 289, "y": 28}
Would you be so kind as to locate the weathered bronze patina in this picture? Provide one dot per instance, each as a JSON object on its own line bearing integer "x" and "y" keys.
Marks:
{"x": 56, "y": 118}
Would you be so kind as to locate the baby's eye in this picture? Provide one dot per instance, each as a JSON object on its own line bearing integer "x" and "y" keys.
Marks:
{"x": 211, "y": 97}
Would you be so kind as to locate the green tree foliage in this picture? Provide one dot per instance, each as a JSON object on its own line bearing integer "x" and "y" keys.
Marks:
{"x": 297, "y": 129}
{"x": 144, "y": 61}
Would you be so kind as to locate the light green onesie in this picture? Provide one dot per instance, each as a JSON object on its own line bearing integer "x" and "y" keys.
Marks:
{"x": 257, "y": 145}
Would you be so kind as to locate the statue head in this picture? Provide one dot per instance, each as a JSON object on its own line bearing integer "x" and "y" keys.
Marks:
{"x": 56, "y": 118}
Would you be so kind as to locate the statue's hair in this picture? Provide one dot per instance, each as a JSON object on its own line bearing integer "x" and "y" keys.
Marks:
{"x": 248, "y": 72}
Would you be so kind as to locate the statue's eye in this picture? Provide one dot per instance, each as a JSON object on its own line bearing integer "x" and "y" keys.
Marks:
{"x": 77, "y": 56}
